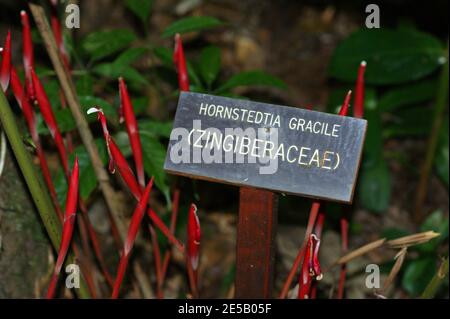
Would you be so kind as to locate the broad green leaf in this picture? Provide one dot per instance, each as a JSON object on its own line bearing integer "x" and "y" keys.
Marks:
{"x": 441, "y": 162}
{"x": 63, "y": 118}
{"x": 114, "y": 71}
{"x": 141, "y": 8}
{"x": 104, "y": 43}
{"x": 157, "y": 129}
{"x": 373, "y": 146}
{"x": 374, "y": 186}
{"x": 88, "y": 180}
{"x": 52, "y": 90}
{"x": 392, "y": 56}
{"x": 414, "y": 121}
{"x": 418, "y": 274}
{"x": 406, "y": 95}
{"x": 190, "y": 24}
{"x": 130, "y": 55}
{"x": 154, "y": 155}
{"x": 85, "y": 85}
{"x": 252, "y": 78}
{"x": 140, "y": 104}
{"x": 210, "y": 64}
{"x": 438, "y": 223}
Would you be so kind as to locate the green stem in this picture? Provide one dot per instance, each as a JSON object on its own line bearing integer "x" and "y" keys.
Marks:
{"x": 436, "y": 281}
{"x": 440, "y": 106}
{"x": 39, "y": 193}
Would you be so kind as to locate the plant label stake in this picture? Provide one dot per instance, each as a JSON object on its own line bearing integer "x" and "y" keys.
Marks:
{"x": 264, "y": 148}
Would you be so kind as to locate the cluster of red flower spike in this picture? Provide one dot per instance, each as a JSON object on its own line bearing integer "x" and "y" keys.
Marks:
{"x": 307, "y": 259}
{"x": 33, "y": 93}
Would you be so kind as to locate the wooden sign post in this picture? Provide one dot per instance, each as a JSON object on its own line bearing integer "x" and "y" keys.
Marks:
{"x": 264, "y": 148}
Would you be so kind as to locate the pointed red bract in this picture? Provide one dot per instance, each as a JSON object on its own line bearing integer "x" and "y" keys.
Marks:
{"x": 28, "y": 54}
{"x": 180, "y": 64}
{"x": 68, "y": 225}
{"x": 358, "y": 105}
{"x": 5, "y": 66}
{"x": 344, "y": 108}
{"x": 133, "y": 229}
{"x": 120, "y": 163}
{"x": 49, "y": 118}
{"x": 30, "y": 119}
{"x": 132, "y": 130}
{"x": 193, "y": 237}
{"x": 311, "y": 268}
{"x": 57, "y": 33}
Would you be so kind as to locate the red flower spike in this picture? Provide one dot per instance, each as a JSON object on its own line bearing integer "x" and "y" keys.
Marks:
{"x": 57, "y": 33}
{"x": 68, "y": 225}
{"x": 49, "y": 118}
{"x": 180, "y": 64}
{"x": 193, "y": 237}
{"x": 128, "y": 177}
{"x": 310, "y": 268}
{"x": 28, "y": 55}
{"x": 133, "y": 229}
{"x": 22, "y": 101}
{"x": 344, "y": 108}
{"x": 132, "y": 130}
{"x": 124, "y": 169}
{"x": 5, "y": 67}
{"x": 358, "y": 110}
{"x": 30, "y": 119}
{"x": 102, "y": 119}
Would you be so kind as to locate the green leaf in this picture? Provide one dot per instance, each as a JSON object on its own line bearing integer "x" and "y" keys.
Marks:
{"x": 251, "y": 78}
{"x": 373, "y": 147}
{"x": 104, "y": 43}
{"x": 374, "y": 188}
{"x": 414, "y": 121}
{"x": 129, "y": 56}
{"x": 438, "y": 223}
{"x": 85, "y": 85}
{"x": 52, "y": 90}
{"x": 141, "y": 8}
{"x": 441, "y": 162}
{"x": 392, "y": 56}
{"x": 157, "y": 129}
{"x": 406, "y": 95}
{"x": 88, "y": 180}
{"x": 114, "y": 71}
{"x": 418, "y": 274}
{"x": 63, "y": 118}
{"x": 190, "y": 24}
{"x": 210, "y": 64}
{"x": 154, "y": 155}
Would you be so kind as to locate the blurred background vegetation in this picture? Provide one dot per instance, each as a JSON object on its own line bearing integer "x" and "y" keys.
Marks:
{"x": 297, "y": 53}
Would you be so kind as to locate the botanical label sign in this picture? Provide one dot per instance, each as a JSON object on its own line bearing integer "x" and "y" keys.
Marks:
{"x": 274, "y": 147}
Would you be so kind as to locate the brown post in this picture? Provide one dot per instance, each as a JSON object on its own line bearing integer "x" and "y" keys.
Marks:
{"x": 255, "y": 243}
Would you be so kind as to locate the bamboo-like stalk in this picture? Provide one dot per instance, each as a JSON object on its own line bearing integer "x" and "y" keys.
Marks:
{"x": 436, "y": 281}
{"x": 83, "y": 128}
{"x": 438, "y": 118}
{"x": 34, "y": 183}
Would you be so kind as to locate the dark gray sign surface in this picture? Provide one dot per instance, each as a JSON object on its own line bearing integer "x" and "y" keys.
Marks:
{"x": 280, "y": 148}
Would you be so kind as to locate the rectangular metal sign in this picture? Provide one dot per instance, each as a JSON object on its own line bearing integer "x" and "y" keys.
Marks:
{"x": 274, "y": 147}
